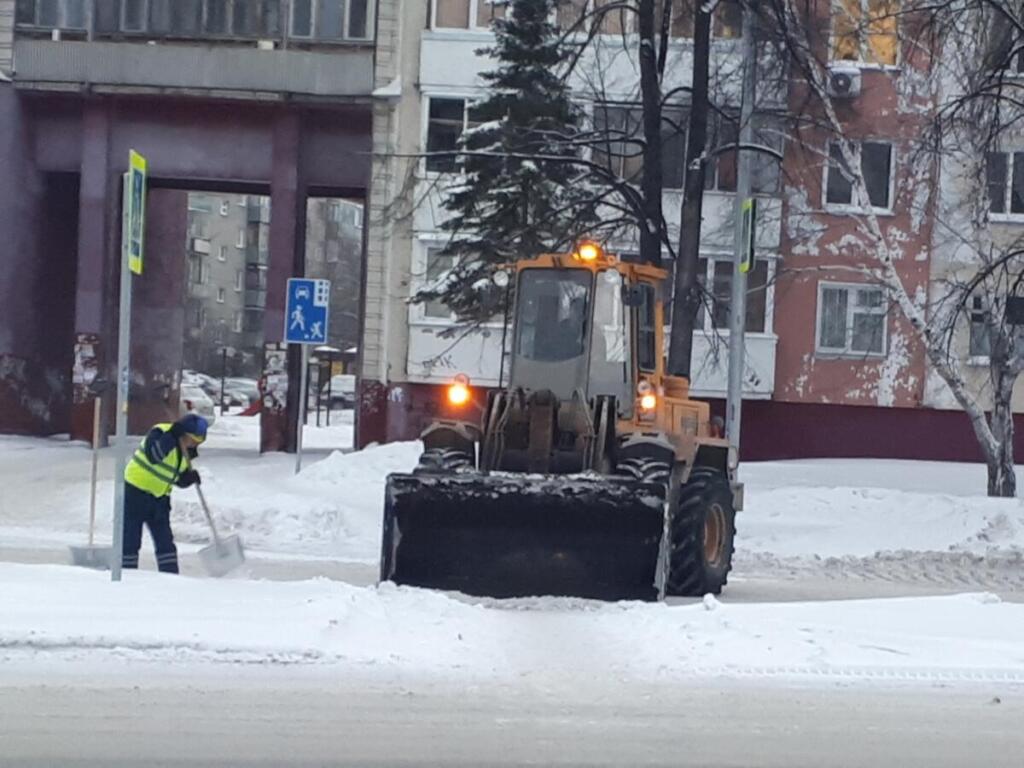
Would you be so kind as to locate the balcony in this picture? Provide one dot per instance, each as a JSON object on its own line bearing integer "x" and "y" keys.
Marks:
{"x": 111, "y": 66}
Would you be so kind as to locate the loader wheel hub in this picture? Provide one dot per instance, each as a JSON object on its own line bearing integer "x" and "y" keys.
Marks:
{"x": 714, "y": 534}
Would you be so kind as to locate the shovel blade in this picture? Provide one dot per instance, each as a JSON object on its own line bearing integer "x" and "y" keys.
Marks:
{"x": 223, "y": 556}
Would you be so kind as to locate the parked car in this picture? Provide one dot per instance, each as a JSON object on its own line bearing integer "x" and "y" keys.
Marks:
{"x": 194, "y": 400}
{"x": 208, "y": 384}
{"x": 342, "y": 391}
{"x": 247, "y": 387}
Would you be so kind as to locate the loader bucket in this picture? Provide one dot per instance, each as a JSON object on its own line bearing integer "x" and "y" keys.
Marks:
{"x": 517, "y": 536}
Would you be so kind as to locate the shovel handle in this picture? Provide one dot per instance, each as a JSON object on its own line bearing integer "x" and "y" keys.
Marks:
{"x": 209, "y": 517}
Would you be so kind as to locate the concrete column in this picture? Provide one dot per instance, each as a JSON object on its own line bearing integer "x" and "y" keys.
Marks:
{"x": 279, "y": 415}
{"x": 96, "y": 292}
{"x": 158, "y": 312}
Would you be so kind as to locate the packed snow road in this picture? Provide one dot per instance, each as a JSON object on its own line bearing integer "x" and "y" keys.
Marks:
{"x": 131, "y": 715}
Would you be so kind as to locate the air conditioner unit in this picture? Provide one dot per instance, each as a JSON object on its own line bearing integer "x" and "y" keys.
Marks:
{"x": 844, "y": 82}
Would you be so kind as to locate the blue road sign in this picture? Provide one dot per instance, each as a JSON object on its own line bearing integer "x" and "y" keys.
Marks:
{"x": 306, "y": 312}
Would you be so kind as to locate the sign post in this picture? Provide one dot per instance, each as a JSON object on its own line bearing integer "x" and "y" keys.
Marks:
{"x": 306, "y": 313}
{"x": 132, "y": 237}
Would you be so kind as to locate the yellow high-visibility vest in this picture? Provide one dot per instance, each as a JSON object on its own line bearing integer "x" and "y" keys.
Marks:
{"x": 156, "y": 479}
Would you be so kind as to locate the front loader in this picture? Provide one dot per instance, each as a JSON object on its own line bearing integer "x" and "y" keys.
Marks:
{"x": 591, "y": 474}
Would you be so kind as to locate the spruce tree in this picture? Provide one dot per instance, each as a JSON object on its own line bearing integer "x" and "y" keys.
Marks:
{"x": 512, "y": 200}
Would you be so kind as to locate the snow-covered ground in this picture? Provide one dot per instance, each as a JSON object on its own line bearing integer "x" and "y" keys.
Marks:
{"x": 913, "y": 523}
{"x": 973, "y": 637}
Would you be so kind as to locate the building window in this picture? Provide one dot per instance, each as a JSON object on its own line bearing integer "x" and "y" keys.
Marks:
{"x": 239, "y": 281}
{"x": 221, "y": 296}
{"x": 53, "y": 14}
{"x": 240, "y": 242}
{"x": 727, "y": 22}
{"x": 330, "y": 20}
{"x": 198, "y": 269}
{"x": 865, "y": 31}
{"x": 718, "y": 274}
{"x": 876, "y": 167}
{"x": 222, "y": 253}
{"x": 439, "y": 265}
{"x": 446, "y": 122}
{"x": 468, "y": 14}
{"x": 225, "y": 207}
{"x": 1004, "y": 172}
{"x": 255, "y": 277}
{"x": 190, "y": 18}
{"x": 236, "y": 324}
{"x": 980, "y": 342}
{"x": 621, "y": 148}
{"x": 851, "y": 319}
{"x": 199, "y": 316}
{"x": 646, "y": 337}
{"x": 253, "y": 320}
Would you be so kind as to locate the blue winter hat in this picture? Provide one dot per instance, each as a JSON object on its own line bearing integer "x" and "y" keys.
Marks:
{"x": 193, "y": 425}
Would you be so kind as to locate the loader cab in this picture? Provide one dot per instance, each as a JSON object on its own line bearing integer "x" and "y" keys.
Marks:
{"x": 583, "y": 327}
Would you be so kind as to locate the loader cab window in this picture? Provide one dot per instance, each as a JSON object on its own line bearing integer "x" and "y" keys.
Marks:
{"x": 609, "y": 350}
{"x": 552, "y": 314}
{"x": 646, "y": 339}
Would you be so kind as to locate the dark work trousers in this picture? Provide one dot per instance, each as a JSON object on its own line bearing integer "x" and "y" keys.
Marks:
{"x": 141, "y": 507}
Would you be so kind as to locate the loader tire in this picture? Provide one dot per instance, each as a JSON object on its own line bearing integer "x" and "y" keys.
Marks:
{"x": 702, "y": 530}
{"x": 442, "y": 461}
{"x": 648, "y": 470}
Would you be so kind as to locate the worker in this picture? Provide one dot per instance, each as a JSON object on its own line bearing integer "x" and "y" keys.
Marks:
{"x": 162, "y": 461}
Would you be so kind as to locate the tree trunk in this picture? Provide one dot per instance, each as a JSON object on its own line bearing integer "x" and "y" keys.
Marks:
{"x": 687, "y": 296}
{"x": 1002, "y": 482}
{"x": 651, "y": 179}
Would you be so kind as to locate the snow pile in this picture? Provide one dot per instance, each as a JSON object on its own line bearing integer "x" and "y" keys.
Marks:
{"x": 391, "y": 630}
{"x": 833, "y": 522}
{"x": 333, "y": 508}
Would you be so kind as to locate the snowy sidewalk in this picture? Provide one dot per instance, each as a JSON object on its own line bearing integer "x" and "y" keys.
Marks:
{"x": 392, "y": 631}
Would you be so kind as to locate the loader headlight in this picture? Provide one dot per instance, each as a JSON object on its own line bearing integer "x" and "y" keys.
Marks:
{"x": 588, "y": 251}
{"x": 458, "y": 390}
{"x": 648, "y": 397}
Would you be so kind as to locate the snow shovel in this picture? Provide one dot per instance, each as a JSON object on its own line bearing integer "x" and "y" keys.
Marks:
{"x": 225, "y": 554}
{"x": 92, "y": 556}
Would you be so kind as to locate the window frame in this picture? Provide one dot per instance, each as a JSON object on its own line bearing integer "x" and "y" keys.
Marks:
{"x": 313, "y": 36}
{"x": 468, "y": 100}
{"x": 473, "y": 13}
{"x": 847, "y": 352}
{"x": 977, "y": 308}
{"x": 62, "y": 15}
{"x": 706, "y": 318}
{"x": 1007, "y": 214}
{"x": 851, "y": 207}
{"x": 421, "y": 282}
{"x": 861, "y": 62}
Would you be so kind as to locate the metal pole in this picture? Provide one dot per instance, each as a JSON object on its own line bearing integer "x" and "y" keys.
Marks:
{"x": 96, "y": 411}
{"x": 316, "y": 388}
{"x": 330, "y": 378}
{"x": 223, "y": 376}
{"x": 302, "y": 412}
{"x": 124, "y": 327}
{"x": 738, "y": 302}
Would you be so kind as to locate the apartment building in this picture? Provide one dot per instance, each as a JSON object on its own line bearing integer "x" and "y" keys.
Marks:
{"x": 832, "y": 368}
